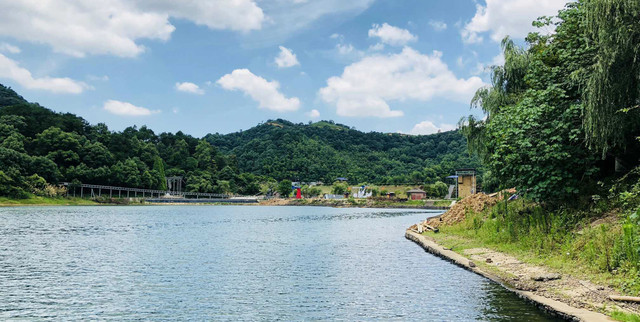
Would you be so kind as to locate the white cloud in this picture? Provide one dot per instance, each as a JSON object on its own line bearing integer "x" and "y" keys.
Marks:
{"x": 9, "y": 48}
{"x": 313, "y": 114}
{"x": 114, "y": 27}
{"x": 103, "y": 78}
{"x": 126, "y": 109}
{"x": 377, "y": 47}
{"x": 189, "y": 87}
{"x": 437, "y": 25}
{"x": 11, "y": 70}
{"x": 391, "y": 35}
{"x": 427, "y": 127}
{"x": 367, "y": 86}
{"x": 286, "y": 58}
{"x": 481, "y": 68}
{"x": 507, "y": 17}
{"x": 259, "y": 89}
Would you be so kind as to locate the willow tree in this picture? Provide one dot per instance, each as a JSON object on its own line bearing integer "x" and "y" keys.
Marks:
{"x": 612, "y": 92}
{"x": 532, "y": 136}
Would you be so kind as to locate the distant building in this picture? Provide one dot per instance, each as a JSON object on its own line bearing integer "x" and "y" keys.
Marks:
{"x": 416, "y": 194}
{"x": 342, "y": 179}
{"x": 465, "y": 182}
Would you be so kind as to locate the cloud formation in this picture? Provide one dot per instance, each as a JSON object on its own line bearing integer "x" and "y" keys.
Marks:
{"x": 10, "y": 69}
{"x": 9, "y": 48}
{"x": 313, "y": 114}
{"x": 427, "y": 127}
{"x": 391, "y": 35}
{"x": 286, "y": 58}
{"x": 260, "y": 90}
{"x": 189, "y": 87}
{"x": 114, "y": 27}
{"x": 367, "y": 86}
{"x": 502, "y": 18}
{"x": 437, "y": 25}
{"x": 126, "y": 109}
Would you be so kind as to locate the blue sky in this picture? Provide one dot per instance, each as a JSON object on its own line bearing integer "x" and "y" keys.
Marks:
{"x": 207, "y": 66}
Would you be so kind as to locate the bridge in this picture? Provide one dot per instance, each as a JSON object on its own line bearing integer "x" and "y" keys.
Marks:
{"x": 94, "y": 190}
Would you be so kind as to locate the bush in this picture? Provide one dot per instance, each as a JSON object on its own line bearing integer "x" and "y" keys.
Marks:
{"x": 339, "y": 188}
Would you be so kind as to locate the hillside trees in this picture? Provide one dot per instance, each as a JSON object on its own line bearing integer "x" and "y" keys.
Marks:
{"x": 65, "y": 148}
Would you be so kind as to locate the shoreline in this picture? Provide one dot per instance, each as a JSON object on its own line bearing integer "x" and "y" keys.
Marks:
{"x": 363, "y": 203}
{"x": 552, "y": 306}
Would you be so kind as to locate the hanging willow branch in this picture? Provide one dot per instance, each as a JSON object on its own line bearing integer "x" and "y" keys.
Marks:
{"x": 614, "y": 82}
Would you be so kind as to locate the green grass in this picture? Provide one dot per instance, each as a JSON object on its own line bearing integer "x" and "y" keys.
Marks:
{"x": 564, "y": 241}
{"x": 627, "y": 317}
{"x": 45, "y": 201}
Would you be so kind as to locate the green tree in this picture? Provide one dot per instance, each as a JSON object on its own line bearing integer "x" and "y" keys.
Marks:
{"x": 284, "y": 188}
{"x": 158, "y": 167}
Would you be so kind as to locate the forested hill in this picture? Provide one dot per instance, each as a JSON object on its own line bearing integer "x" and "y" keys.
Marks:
{"x": 325, "y": 150}
{"x": 39, "y": 146}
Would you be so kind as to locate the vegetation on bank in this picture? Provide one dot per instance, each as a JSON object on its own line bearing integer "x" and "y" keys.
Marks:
{"x": 60, "y": 147}
{"x": 562, "y": 126}
{"x": 46, "y": 201}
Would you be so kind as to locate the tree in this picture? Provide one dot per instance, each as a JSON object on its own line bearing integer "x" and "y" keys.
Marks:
{"x": 158, "y": 167}
{"x": 339, "y": 188}
{"x": 284, "y": 188}
{"x": 532, "y": 138}
{"x": 612, "y": 91}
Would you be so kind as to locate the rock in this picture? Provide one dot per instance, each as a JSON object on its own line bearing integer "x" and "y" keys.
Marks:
{"x": 472, "y": 264}
{"x": 545, "y": 277}
{"x": 489, "y": 260}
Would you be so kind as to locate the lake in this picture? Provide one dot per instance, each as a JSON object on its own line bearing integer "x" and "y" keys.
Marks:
{"x": 234, "y": 263}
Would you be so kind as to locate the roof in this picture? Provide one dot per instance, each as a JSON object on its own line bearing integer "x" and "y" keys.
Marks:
{"x": 416, "y": 191}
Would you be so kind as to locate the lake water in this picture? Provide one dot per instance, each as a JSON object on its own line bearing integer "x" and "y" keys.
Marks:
{"x": 234, "y": 263}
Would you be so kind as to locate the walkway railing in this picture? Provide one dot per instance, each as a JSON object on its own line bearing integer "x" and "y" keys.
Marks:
{"x": 98, "y": 190}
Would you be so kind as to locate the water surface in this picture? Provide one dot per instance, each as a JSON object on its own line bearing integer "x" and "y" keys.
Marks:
{"x": 234, "y": 263}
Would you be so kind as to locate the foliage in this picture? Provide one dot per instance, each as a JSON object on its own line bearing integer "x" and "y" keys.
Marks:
{"x": 564, "y": 237}
{"x": 532, "y": 138}
{"x": 437, "y": 190}
{"x": 63, "y": 147}
{"x": 339, "y": 188}
{"x": 284, "y": 188}
{"x": 612, "y": 29}
{"x": 324, "y": 151}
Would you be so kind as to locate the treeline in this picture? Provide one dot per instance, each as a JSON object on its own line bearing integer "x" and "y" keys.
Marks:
{"x": 36, "y": 143}
{"x": 40, "y": 147}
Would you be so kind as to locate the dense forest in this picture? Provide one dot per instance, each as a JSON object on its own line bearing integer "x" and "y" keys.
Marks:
{"x": 324, "y": 151}
{"x": 40, "y": 148}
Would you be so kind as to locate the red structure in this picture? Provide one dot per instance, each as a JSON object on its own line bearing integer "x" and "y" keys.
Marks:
{"x": 298, "y": 193}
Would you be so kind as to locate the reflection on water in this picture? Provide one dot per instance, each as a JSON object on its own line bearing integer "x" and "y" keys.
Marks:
{"x": 234, "y": 263}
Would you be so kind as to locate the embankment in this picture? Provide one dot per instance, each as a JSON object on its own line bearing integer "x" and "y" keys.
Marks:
{"x": 551, "y": 305}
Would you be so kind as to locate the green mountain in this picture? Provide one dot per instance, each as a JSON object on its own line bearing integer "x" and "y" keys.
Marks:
{"x": 324, "y": 151}
{"x": 40, "y": 147}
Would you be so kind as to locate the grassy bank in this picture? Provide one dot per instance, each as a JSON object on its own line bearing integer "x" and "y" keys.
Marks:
{"x": 46, "y": 201}
{"x": 603, "y": 248}
{"x": 599, "y": 245}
